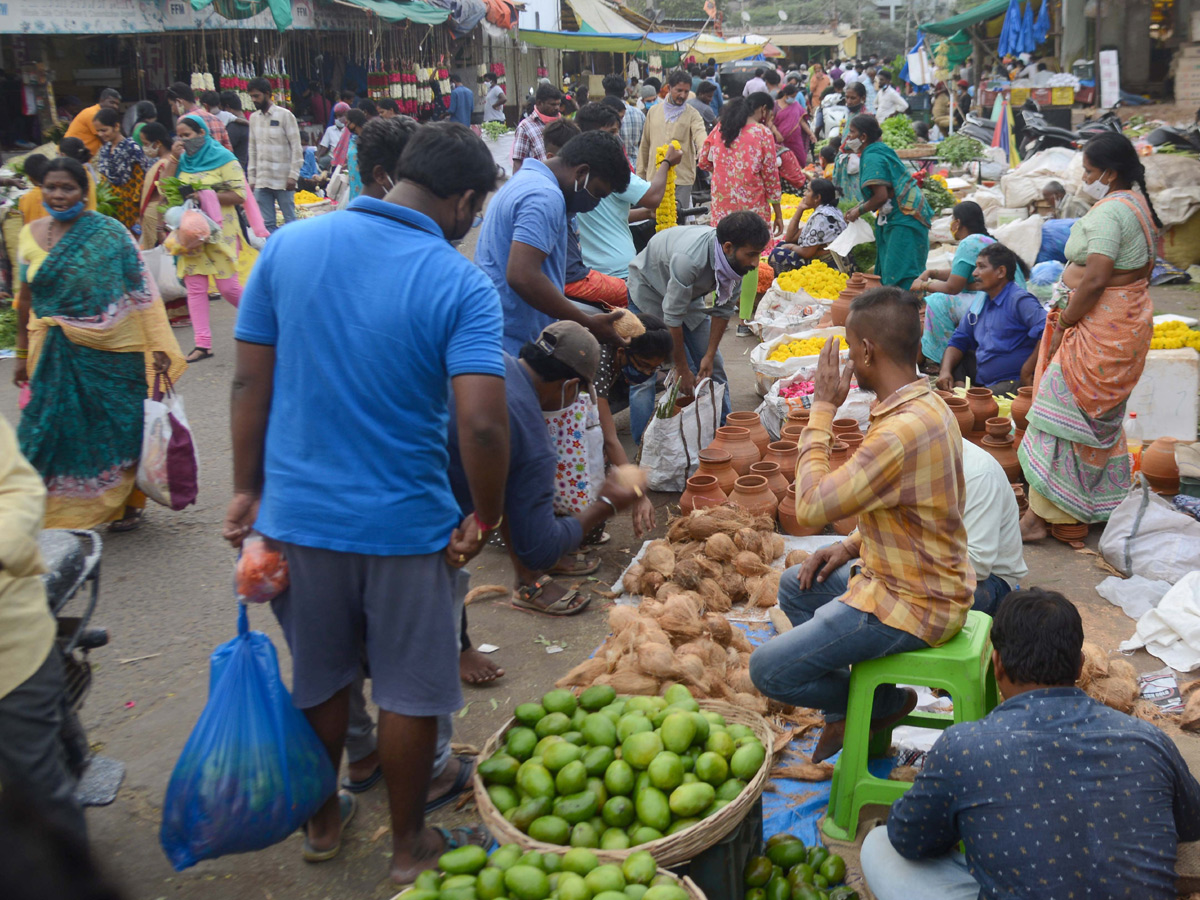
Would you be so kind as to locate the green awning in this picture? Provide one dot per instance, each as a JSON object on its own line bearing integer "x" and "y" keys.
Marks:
{"x": 281, "y": 10}
{"x": 397, "y": 11}
{"x": 984, "y": 12}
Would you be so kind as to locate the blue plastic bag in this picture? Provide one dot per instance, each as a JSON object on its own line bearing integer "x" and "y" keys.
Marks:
{"x": 253, "y": 770}
{"x": 1054, "y": 240}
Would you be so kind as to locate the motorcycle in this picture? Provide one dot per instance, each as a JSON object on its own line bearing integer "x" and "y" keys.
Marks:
{"x": 73, "y": 568}
{"x": 1037, "y": 134}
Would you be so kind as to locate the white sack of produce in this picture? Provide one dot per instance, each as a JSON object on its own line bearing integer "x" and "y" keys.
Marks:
{"x": 939, "y": 232}
{"x": 857, "y": 232}
{"x": 1174, "y": 186}
{"x": 768, "y": 371}
{"x": 1023, "y": 237}
{"x": 1171, "y": 631}
{"x": 1023, "y": 185}
{"x": 780, "y": 312}
{"x": 774, "y": 409}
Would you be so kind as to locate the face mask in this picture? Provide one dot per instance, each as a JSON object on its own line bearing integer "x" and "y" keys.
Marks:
{"x": 193, "y": 144}
{"x": 582, "y": 200}
{"x": 70, "y": 214}
{"x": 475, "y": 223}
{"x": 1097, "y": 190}
{"x": 853, "y": 145}
{"x": 151, "y": 152}
{"x": 545, "y": 118}
{"x": 633, "y": 376}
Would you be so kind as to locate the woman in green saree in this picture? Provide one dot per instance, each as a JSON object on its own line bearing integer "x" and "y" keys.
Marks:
{"x": 91, "y": 335}
{"x": 902, "y": 214}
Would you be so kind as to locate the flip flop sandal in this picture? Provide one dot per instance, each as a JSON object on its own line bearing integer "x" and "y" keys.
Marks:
{"x": 361, "y": 787}
{"x": 465, "y": 835}
{"x": 205, "y": 353}
{"x": 583, "y": 565}
{"x": 127, "y": 523}
{"x": 347, "y": 807}
{"x": 571, "y": 602}
{"x": 597, "y": 538}
{"x": 465, "y": 769}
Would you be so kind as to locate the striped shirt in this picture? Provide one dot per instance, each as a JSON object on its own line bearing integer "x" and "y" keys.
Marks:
{"x": 216, "y": 128}
{"x": 906, "y": 486}
{"x": 275, "y": 150}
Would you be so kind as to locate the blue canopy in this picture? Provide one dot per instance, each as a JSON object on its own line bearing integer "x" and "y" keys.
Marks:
{"x": 1041, "y": 27}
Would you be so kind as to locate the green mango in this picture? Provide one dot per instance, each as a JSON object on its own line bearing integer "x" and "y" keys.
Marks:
{"x": 503, "y": 798}
{"x": 711, "y": 767}
{"x": 552, "y": 723}
{"x": 834, "y": 868}
{"x": 536, "y": 781}
{"x": 529, "y": 714}
{"x": 639, "y": 867}
{"x": 550, "y": 830}
{"x": 639, "y": 749}
{"x": 579, "y": 860}
{"x": 644, "y": 834}
{"x": 738, "y": 730}
{"x": 607, "y": 877}
{"x": 500, "y": 769}
{"x": 757, "y": 872}
{"x": 597, "y": 760}
{"x": 520, "y": 743}
{"x": 718, "y": 742}
{"x": 466, "y": 860}
{"x": 665, "y": 892}
{"x": 597, "y": 697}
{"x": 731, "y": 789}
{"x": 559, "y": 755}
{"x": 619, "y": 778}
{"x": 633, "y": 723}
{"x": 678, "y": 732}
{"x": 585, "y": 835}
{"x": 681, "y": 824}
{"x": 788, "y": 854}
{"x": 530, "y": 809}
{"x": 599, "y": 730}
{"x": 801, "y": 873}
{"x": 653, "y": 809}
{"x": 702, "y": 728}
{"x": 614, "y": 839}
{"x": 429, "y": 880}
{"x": 560, "y": 701}
{"x": 505, "y": 857}
{"x": 618, "y": 812}
{"x": 572, "y": 887}
{"x": 527, "y": 883}
{"x": 817, "y": 855}
{"x": 691, "y": 799}
{"x": 576, "y": 808}
{"x": 747, "y": 760}
{"x": 666, "y": 771}
{"x": 490, "y": 885}
{"x": 778, "y": 888}
{"x": 571, "y": 778}
{"x": 636, "y": 891}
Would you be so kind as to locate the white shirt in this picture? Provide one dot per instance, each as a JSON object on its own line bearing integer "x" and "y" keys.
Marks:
{"x": 225, "y": 116}
{"x": 888, "y": 102}
{"x": 494, "y": 95}
{"x": 849, "y": 77}
{"x": 754, "y": 84}
{"x": 991, "y": 518}
{"x": 332, "y": 135}
{"x": 275, "y": 154}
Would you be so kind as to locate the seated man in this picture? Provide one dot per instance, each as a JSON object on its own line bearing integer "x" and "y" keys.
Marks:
{"x": 669, "y": 280}
{"x": 905, "y": 485}
{"x": 1064, "y": 207}
{"x": 996, "y": 345}
{"x": 993, "y": 529}
{"x": 1052, "y": 793}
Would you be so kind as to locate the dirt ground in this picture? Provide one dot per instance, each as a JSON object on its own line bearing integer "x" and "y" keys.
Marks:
{"x": 166, "y": 601}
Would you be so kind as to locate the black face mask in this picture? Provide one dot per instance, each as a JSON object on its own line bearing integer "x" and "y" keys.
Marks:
{"x": 854, "y": 107}
{"x": 582, "y": 201}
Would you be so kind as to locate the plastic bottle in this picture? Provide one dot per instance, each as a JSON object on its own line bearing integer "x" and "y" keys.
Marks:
{"x": 1133, "y": 439}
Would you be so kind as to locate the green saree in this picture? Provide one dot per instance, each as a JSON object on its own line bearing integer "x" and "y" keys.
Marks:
{"x": 902, "y": 226}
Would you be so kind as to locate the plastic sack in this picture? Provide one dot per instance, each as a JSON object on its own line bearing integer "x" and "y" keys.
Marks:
{"x": 1147, "y": 536}
{"x": 1171, "y": 631}
{"x": 194, "y": 229}
{"x": 169, "y": 467}
{"x": 163, "y": 270}
{"x": 767, "y": 371}
{"x": 1135, "y": 595}
{"x": 1054, "y": 240}
{"x": 253, "y": 770}
{"x": 671, "y": 447}
{"x": 774, "y": 409}
{"x": 261, "y": 573}
{"x": 857, "y": 232}
{"x": 1046, "y": 272}
{"x": 780, "y": 311}
{"x": 1023, "y": 237}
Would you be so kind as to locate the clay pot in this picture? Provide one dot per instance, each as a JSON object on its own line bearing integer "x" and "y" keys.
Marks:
{"x": 1002, "y": 451}
{"x": 1070, "y": 534}
{"x": 871, "y": 281}
{"x": 787, "y": 515}
{"x": 739, "y": 445}
{"x": 702, "y": 491}
{"x": 1018, "y": 436}
{"x": 839, "y": 452}
{"x": 1159, "y": 466}
{"x": 776, "y": 483}
{"x": 719, "y": 464}
{"x": 1020, "y": 407}
{"x": 999, "y": 426}
{"x": 784, "y": 454}
{"x": 983, "y": 406}
{"x": 1022, "y": 500}
{"x": 945, "y": 395}
{"x": 962, "y": 414}
{"x": 752, "y": 494}
{"x": 752, "y": 423}
{"x": 841, "y": 306}
{"x": 846, "y": 525}
{"x": 845, "y": 426}
{"x": 856, "y": 282}
{"x": 853, "y": 441}
{"x": 798, "y": 415}
{"x": 792, "y": 433}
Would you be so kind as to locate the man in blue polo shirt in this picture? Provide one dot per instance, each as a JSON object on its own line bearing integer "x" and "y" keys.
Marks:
{"x": 523, "y": 243}
{"x": 340, "y": 419}
{"x": 462, "y": 101}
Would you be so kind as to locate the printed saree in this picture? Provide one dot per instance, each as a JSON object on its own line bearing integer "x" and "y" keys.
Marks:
{"x": 95, "y": 323}
{"x": 902, "y": 225}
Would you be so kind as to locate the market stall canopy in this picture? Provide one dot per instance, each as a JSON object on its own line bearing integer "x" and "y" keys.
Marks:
{"x": 678, "y": 41}
{"x": 397, "y": 10}
{"x": 984, "y": 12}
{"x": 604, "y": 18}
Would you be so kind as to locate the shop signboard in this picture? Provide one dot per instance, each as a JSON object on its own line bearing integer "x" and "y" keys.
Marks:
{"x": 106, "y": 17}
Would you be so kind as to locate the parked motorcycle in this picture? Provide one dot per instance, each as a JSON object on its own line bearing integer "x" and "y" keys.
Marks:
{"x": 1037, "y": 134}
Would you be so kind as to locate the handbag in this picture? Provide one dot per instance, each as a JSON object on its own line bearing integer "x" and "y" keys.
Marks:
{"x": 168, "y": 469}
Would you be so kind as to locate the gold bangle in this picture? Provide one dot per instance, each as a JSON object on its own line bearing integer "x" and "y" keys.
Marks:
{"x": 22, "y": 353}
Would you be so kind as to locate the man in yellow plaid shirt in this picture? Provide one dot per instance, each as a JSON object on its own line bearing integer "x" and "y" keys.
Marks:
{"x": 914, "y": 584}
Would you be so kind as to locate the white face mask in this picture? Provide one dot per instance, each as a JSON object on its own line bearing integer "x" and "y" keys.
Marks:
{"x": 853, "y": 144}
{"x": 1097, "y": 189}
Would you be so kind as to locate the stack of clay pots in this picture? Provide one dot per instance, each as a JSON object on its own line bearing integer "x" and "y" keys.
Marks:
{"x": 983, "y": 406}
{"x": 752, "y": 494}
{"x": 702, "y": 492}
{"x": 856, "y": 284}
{"x": 752, "y": 422}
{"x": 997, "y": 441}
{"x": 718, "y": 463}
{"x": 770, "y": 470}
{"x": 741, "y": 448}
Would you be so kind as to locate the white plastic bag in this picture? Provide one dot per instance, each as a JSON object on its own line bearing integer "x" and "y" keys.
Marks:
{"x": 162, "y": 268}
{"x": 168, "y": 469}
{"x": 1171, "y": 631}
{"x": 671, "y": 447}
{"x": 1147, "y": 536}
{"x": 1135, "y": 595}
{"x": 767, "y": 371}
{"x": 775, "y": 409}
{"x": 857, "y": 232}
{"x": 780, "y": 311}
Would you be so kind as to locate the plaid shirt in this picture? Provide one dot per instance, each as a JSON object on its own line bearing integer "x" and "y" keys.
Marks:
{"x": 906, "y": 486}
{"x": 528, "y": 142}
{"x": 275, "y": 151}
{"x": 216, "y": 128}
{"x": 631, "y": 130}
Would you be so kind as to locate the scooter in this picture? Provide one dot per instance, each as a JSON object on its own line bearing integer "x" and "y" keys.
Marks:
{"x": 1038, "y": 135}
{"x": 73, "y": 568}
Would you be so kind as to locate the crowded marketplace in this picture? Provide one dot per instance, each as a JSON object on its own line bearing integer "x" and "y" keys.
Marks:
{"x": 796, "y": 440}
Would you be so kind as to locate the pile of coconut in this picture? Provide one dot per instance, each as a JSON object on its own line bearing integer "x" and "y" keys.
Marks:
{"x": 1114, "y": 682}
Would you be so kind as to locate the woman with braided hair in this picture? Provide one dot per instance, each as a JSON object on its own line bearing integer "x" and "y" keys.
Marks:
{"x": 1094, "y": 348}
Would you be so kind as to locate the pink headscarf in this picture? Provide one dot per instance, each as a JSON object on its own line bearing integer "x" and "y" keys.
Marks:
{"x": 341, "y": 151}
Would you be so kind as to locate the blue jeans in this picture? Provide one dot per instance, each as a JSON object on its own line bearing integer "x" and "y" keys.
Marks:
{"x": 267, "y": 198}
{"x": 892, "y": 877}
{"x": 810, "y": 665}
{"x": 989, "y": 593}
{"x": 695, "y": 344}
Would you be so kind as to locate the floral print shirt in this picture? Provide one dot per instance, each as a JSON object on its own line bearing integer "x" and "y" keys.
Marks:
{"x": 744, "y": 176}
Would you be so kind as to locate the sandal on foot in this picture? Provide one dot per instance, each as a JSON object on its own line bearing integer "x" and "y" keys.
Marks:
{"x": 576, "y": 565}
{"x": 567, "y": 603}
{"x": 359, "y": 787}
{"x": 347, "y": 807}
{"x": 465, "y": 835}
{"x": 131, "y": 521}
{"x": 205, "y": 353}
{"x": 466, "y": 767}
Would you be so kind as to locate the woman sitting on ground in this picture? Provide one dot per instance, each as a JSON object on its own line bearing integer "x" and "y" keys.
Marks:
{"x": 800, "y": 246}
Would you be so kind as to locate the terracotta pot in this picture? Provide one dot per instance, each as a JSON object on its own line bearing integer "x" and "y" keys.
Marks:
{"x": 787, "y": 515}
{"x": 1018, "y": 436}
{"x": 856, "y": 282}
{"x": 792, "y": 433}
{"x": 845, "y": 426}
{"x": 983, "y": 406}
{"x": 1002, "y": 451}
{"x": 1069, "y": 534}
{"x": 737, "y": 442}
{"x": 962, "y": 414}
{"x": 1020, "y": 407}
{"x": 752, "y": 423}
{"x": 1022, "y": 500}
{"x": 719, "y": 464}
{"x": 798, "y": 415}
{"x": 999, "y": 426}
{"x": 784, "y": 454}
{"x": 702, "y": 491}
{"x": 872, "y": 281}
{"x": 752, "y": 494}
{"x": 841, "y": 306}
{"x": 845, "y": 526}
{"x": 1159, "y": 466}
{"x": 839, "y": 452}
{"x": 776, "y": 483}
{"x": 853, "y": 441}
{"x": 945, "y": 395}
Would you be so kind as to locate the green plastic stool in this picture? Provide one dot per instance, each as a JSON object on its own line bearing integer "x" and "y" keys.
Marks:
{"x": 962, "y": 666}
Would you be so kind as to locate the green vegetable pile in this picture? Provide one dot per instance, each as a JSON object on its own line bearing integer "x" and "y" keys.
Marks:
{"x": 468, "y": 873}
{"x": 898, "y": 133}
{"x": 106, "y": 199}
{"x": 616, "y": 773}
{"x": 8, "y": 326}
{"x": 493, "y": 130}
{"x": 792, "y": 871}
{"x": 937, "y": 195}
{"x": 959, "y": 149}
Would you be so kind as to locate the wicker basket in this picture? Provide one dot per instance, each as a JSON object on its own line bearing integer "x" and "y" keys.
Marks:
{"x": 918, "y": 151}
{"x": 674, "y": 848}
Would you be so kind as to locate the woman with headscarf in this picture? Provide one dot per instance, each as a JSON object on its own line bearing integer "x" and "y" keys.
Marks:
{"x": 902, "y": 214}
{"x": 205, "y": 167}
{"x": 123, "y": 165}
{"x": 332, "y": 138}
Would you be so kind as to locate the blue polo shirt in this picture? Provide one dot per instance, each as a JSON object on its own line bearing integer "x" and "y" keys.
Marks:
{"x": 530, "y": 209}
{"x": 604, "y": 235}
{"x": 371, "y": 312}
{"x": 1003, "y": 334}
{"x": 462, "y": 104}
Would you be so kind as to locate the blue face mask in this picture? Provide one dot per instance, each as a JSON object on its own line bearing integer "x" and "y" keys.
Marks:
{"x": 633, "y": 376}
{"x": 67, "y": 215}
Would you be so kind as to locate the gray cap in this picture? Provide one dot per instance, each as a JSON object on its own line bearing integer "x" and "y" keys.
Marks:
{"x": 648, "y": 91}
{"x": 573, "y": 346}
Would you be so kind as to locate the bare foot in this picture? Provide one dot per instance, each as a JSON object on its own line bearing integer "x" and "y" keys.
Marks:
{"x": 1033, "y": 527}
{"x": 441, "y": 785}
{"x": 365, "y": 767}
{"x": 411, "y": 859}
{"x": 475, "y": 667}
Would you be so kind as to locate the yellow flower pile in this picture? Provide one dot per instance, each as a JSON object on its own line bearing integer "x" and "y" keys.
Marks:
{"x": 665, "y": 215}
{"x": 816, "y": 279}
{"x": 1173, "y": 336}
{"x": 806, "y": 347}
{"x": 303, "y": 198}
{"x": 789, "y": 203}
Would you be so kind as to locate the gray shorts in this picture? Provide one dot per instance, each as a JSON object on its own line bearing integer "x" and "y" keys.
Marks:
{"x": 397, "y": 612}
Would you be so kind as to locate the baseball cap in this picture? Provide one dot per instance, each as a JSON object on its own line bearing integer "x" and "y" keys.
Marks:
{"x": 573, "y": 346}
